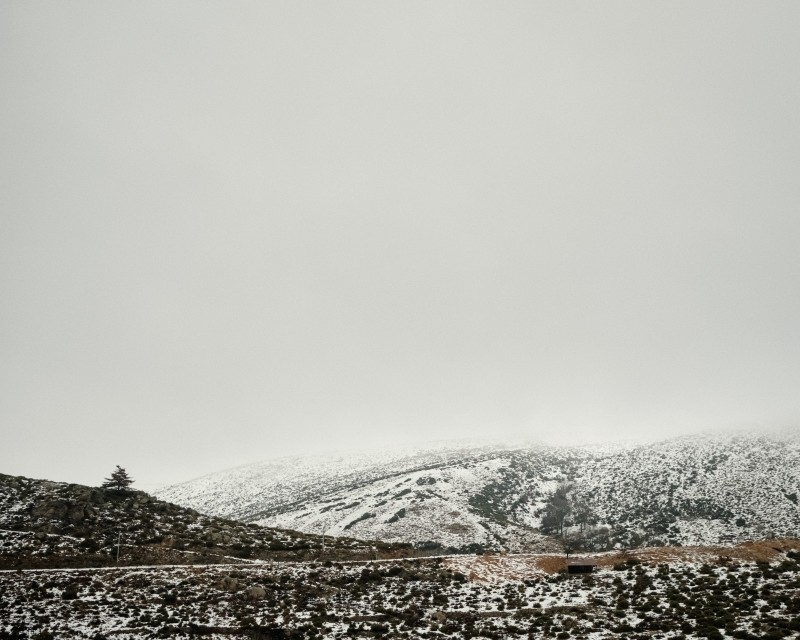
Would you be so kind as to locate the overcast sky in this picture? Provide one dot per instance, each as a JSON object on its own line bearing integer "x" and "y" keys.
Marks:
{"x": 235, "y": 230}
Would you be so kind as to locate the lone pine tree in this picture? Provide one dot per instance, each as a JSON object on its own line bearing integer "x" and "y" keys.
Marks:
{"x": 119, "y": 480}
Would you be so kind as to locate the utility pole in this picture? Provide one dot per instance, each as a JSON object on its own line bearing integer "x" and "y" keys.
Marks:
{"x": 119, "y": 540}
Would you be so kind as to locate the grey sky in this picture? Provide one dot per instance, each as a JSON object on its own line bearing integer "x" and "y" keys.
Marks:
{"x": 235, "y": 230}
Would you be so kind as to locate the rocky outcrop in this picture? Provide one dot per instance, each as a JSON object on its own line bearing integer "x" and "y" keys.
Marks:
{"x": 78, "y": 505}
{"x": 255, "y": 593}
{"x": 227, "y": 583}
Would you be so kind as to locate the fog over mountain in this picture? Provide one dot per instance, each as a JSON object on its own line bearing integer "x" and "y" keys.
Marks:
{"x": 237, "y": 232}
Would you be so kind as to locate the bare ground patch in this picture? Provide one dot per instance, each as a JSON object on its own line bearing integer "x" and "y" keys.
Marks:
{"x": 496, "y": 568}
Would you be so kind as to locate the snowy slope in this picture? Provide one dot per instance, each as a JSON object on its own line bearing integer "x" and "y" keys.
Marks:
{"x": 403, "y": 495}
{"x": 733, "y": 592}
{"x": 691, "y": 490}
{"x": 699, "y": 490}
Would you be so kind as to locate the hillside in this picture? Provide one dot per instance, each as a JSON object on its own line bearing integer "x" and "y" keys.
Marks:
{"x": 748, "y": 592}
{"x": 430, "y": 497}
{"x": 691, "y": 490}
{"x": 52, "y": 524}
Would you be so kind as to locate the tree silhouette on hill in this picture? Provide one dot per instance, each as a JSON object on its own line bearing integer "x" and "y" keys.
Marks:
{"x": 119, "y": 480}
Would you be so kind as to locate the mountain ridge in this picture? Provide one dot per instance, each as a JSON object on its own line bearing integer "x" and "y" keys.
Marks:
{"x": 695, "y": 489}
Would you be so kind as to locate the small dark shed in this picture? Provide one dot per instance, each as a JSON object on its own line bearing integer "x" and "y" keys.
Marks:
{"x": 580, "y": 565}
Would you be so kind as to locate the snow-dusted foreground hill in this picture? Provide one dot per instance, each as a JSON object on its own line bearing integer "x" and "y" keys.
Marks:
{"x": 46, "y": 524}
{"x": 723, "y": 596}
{"x": 691, "y": 490}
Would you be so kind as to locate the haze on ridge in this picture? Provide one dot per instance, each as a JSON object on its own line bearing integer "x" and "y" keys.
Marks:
{"x": 237, "y": 232}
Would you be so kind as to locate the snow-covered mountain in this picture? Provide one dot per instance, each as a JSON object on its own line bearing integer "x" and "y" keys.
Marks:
{"x": 690, "y": 490}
